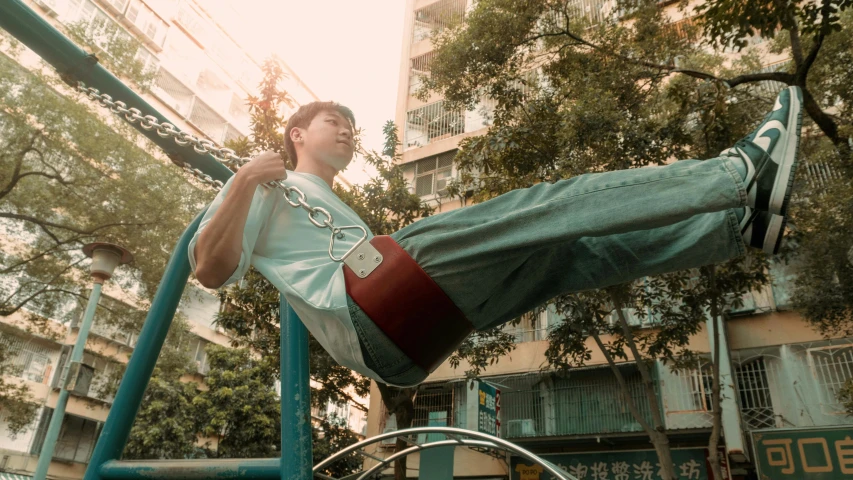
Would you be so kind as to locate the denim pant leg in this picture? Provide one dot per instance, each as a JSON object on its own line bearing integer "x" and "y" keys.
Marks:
{"x": 381, "y": 354}
{"x": 505, "y": 256}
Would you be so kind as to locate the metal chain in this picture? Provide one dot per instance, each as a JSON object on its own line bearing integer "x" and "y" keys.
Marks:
{"x": 294, "y": 196}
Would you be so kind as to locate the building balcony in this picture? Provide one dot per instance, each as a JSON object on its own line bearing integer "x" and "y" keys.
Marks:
{"x": 192, "y": 108}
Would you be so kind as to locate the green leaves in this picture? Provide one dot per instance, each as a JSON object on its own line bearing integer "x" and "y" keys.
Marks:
{"x": 16, "y": 405}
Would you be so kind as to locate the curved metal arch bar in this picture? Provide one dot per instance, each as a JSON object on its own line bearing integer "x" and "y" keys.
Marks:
{"x": 448, "y": 431}
{"x": 416, "y": 448}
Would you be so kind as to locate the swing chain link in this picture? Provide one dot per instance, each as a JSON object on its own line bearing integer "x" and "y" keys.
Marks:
{"x": 226, "y": 155}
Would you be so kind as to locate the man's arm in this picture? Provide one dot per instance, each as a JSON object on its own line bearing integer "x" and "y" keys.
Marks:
{"x": 220, "y": 243}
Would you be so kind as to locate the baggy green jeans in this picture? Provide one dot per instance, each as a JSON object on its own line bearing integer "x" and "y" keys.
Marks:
{"x": 499, "y": 259}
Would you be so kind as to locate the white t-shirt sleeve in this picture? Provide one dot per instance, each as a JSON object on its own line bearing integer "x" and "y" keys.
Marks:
{"x": 262, "y": 204}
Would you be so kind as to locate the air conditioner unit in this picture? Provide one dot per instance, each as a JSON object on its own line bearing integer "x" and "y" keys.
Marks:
{"x": 521, "y": 428}
{"x": 389, "y": 441}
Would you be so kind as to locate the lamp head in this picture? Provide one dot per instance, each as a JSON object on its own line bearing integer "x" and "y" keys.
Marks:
{"x": 105, "y": 258}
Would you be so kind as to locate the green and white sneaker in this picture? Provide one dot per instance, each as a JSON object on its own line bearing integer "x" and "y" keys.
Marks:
{"x": 763, "y": 230}
{"x": 770, "y": 154}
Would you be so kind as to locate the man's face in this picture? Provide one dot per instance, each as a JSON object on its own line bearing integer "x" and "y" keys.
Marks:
{"x": 329, "y": 139}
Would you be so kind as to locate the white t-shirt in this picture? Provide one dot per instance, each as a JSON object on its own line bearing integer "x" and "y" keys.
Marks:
{"x": 293, "y": 255}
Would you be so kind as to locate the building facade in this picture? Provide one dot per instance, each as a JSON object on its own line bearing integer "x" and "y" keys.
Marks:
{"x": 780, "y": 382}
{"x": 200, "y": 79}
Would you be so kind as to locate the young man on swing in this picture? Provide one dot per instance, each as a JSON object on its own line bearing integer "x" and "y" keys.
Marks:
{"x": 498, "y": 259}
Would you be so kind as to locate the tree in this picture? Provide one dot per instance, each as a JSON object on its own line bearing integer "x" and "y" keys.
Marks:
{"x": 331, "y": 436}
{"x": 167, "y": 423}
{"x": 53, "y": 146}
{"x": 16, "y": 404}
{"x": 240, "y": 409}
{"x": 846, "y": 397}
{"x": 575, "y": 97}
{"x": 116, "y": 49}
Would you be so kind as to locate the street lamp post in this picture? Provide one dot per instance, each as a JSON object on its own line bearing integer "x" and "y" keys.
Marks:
{"x": 105, "y": 258}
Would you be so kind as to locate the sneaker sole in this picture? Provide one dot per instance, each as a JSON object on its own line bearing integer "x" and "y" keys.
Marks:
{"x": 773, "y": 235}
{"x": 781, "y": 195}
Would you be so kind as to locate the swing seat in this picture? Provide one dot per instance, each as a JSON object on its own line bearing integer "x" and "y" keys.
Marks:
{"x": 408, "y": 306}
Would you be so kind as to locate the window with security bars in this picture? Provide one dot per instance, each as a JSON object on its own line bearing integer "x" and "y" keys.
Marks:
{"x": 684, "y": 29}
{"x": 436, "y": 17}
{"x": 832, "y": 367}
{"x": 593, "y": 11}
{"x": 147, "y": 22}
{"x": 771, "y": 88}
{"x": 29, "y": 360}
{"x": 420, "y": 67}
{"x": 433, "y": 173}
{"x": 756, "y": 406}
{"x": 431, "y": 123}
{"x": 434, "y": 406}
{"x": 104, "y": 381}
{"x": 77, "y": 437}
{"x": 818, "y": 176}
{"x": 192, "y": 23}
{"x": 692, "y": 392}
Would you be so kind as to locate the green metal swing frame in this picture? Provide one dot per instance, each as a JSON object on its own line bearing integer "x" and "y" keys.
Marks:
{"x": 296, "y": 462}
{"x": 75, "y": 65}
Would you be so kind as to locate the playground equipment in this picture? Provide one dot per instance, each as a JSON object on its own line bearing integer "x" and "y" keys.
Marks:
{"x": 199, "y": 158}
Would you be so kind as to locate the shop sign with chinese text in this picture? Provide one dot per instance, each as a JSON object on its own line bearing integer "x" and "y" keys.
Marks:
{"x": 804, "y": 454}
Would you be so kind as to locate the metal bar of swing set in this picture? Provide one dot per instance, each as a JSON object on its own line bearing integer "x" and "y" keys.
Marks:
{"x": 76, "y": 65}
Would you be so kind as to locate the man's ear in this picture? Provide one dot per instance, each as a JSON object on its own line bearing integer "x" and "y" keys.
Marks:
{"x": 296, "y": 135}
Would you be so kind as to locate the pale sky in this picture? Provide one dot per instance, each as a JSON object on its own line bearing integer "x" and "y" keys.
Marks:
{"x": 344, "y": 50}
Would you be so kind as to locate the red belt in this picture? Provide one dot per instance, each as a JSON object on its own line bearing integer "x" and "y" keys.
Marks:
{"x": 408, "y": 306}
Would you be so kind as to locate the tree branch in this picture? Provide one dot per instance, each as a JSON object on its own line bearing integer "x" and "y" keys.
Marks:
{"x": 19, "y": 163}
{"x": 5, "y": 311}
{"x": 782, "y": 77}
{"x": 641, "y": 364}
{"x": 91, "y": 231}
{"x": 803, "y": 70}
{"x": 786, "y": 78}
{"x": 48, "y": 251}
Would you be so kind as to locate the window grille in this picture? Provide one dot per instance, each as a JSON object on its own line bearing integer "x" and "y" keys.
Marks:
{"x": 695, "y": 394}
{"x": 118, "y": 5}
{"x": 436, "y": 17}
{"x": 754, "y": 393}
{"x": 434, "y": 406}
{"x": 771, "y": 88}
{"x": 432, "y": 174}
{"x": 29, "y": 360}
{"x": 207, "y": 120}
{"x": 832, "y": 367}
{"x": 819, "y": 175}
{"x": 685, "y": 29}
{"x": 192, "y": 23}
{"x": 147, "y": 22}
{"x": 431, "y": 123}
{"x": 593, "y": 11}
{"x": 196, "y": 347}
{"x": 77, "y": 437}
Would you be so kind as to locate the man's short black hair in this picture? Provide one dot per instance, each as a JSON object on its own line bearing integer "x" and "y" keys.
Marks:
{"x": 303, "y": 117}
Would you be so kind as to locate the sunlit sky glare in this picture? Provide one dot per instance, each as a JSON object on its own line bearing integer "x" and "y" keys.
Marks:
{"x": 344, "y": 50}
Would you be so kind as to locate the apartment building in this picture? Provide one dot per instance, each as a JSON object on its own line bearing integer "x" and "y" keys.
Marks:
{"x": 781, "y": 412}
{"x": 201, "y": 79}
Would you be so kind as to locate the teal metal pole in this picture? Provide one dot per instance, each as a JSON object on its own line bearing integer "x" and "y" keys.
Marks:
{"x": 297, "y": 456}
{"x": 200, "y": 469}
{"x": 52, "y": 435}
{"x": 141, "y": 365}
{"x": 74, "y": 64}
